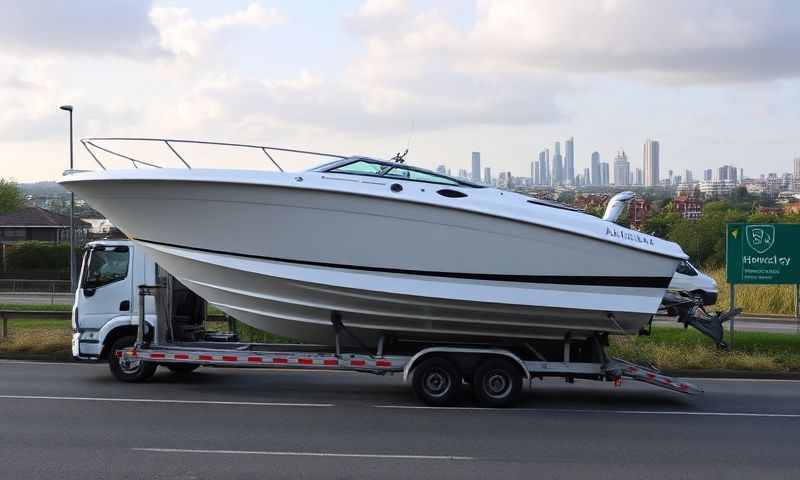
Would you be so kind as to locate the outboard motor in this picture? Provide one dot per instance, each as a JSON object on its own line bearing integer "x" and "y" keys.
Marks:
{"x": 616, "y": 205}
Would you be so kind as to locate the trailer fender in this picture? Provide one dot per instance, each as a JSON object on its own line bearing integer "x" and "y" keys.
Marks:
{"x": 467, "y": 351}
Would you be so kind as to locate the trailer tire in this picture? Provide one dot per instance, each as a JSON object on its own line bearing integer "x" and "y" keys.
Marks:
{"x": 497, "y": 383}
{"x": 132, "y": 372}
{"x": 437, "y": 381}
{"x": 182, "y": 368}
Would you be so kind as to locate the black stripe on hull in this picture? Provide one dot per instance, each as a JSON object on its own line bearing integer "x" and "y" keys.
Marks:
{"x": 603, "y": 281}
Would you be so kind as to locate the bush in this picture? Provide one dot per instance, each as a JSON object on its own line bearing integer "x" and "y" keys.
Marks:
{"x": 37, "y": 256}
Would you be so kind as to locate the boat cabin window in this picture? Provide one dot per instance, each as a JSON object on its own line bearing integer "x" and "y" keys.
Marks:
{"x": 392, "y": 170}
{"x": 105, "y": 265}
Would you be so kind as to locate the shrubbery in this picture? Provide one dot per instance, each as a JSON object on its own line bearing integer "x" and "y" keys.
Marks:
{"x": 34, "y": 255}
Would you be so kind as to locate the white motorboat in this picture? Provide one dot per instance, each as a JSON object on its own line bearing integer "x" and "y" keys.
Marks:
{"x": 386, "y": 248}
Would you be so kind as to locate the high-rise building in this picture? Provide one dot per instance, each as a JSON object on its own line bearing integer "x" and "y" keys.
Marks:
{"x": 727, "y": 173}
{"x": 638, "y": 178}
{"x": 441, "y": 169}
{"x": 797, "y": 174}
{"x": 622, "y": 169}
{"x": 651, "y": 163}
{"x": 544, "y": 167}
{"x": 569, "y": 160}
{"x": 604, "y": 177}
{"x": 687, "y": 176}
{"x": 557, "y": 174}
{"x": 708, "y": 175}
{"x": 476, "y": 167}
{"x": 595, "y": 169}
{"x": 487, "y": 175}
{"x": 535, "y": 172}
{"x": 741, "y": 174}
{"x": 586, "y": 176}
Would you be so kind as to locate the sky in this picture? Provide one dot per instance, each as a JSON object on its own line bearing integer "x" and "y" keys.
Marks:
{"x": 715, "y": 81}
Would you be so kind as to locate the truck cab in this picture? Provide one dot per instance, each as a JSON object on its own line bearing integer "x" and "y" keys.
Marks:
{"x": 106, "y": 300}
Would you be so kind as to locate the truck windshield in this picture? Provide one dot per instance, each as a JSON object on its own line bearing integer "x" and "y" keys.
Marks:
{"x": 106, "y": 265}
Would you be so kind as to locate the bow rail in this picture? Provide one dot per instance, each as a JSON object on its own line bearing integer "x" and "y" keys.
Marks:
{"x": 91, "y": 142}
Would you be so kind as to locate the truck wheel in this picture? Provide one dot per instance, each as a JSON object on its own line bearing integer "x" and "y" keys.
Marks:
{"x": 437, "y": 381}
{"x": 129, "y": 370}
{"x": 181, "y": 368}
{"x": 497, "y": 383}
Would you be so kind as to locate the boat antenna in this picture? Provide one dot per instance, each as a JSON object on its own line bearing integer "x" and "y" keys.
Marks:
{"x": 400, "y": 157}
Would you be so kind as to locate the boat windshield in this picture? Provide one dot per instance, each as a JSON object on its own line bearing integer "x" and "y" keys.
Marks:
{"x": 376, "y": 168}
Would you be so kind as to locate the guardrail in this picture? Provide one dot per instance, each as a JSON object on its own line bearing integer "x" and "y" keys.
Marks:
{"x": 20, "y": 285}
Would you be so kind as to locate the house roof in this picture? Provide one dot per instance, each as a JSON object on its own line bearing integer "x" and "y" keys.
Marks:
{"x": 36, "y": 217}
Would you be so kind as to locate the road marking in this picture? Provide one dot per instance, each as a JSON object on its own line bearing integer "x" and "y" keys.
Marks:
{"x": 34, "y": 362}
{"x": 616, "y": 412}
{"x": 158, "y": 400}
{"x": 308, "y": 454}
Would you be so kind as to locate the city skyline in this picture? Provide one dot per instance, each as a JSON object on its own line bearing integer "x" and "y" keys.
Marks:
{"x": 373, "y": 77}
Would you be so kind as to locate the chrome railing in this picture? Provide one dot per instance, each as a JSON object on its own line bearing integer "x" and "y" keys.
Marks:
{"x": 90, "y": 143}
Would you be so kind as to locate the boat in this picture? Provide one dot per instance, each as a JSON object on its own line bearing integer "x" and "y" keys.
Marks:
{"x": 382, "y": 249}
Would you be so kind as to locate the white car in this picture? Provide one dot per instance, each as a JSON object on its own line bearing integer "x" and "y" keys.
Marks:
{"x": 688, "y": 278}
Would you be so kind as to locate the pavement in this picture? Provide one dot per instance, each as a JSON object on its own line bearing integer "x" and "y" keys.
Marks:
{"x": 68, "y": 420}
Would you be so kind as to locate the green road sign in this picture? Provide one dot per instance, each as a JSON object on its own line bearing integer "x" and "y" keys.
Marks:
{"x": 762, "y": 253}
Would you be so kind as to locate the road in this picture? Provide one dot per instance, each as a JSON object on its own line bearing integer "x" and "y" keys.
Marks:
{"x": 74, "y": 421}
{"x": 746, "y": 324}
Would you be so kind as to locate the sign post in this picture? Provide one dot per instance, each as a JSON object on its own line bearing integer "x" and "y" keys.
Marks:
{"x": 765, "y": 254}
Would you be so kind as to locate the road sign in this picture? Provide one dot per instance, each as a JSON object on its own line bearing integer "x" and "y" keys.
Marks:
{"x": 767, "y": 253}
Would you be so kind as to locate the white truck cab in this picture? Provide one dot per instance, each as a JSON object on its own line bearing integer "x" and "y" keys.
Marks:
{"x": 106, "y": 300}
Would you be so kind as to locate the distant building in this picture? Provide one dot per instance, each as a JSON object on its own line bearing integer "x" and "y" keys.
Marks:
{"x": 604, "y": 171}
{"x": 717, "y": 187}
{"x": 441, "y": 169}
{"x": 708, "y": 175}
{"x": 797, "y": 174}
{"x": 34, "y": 223}
{"x": 557, "y": 174}
{"x": 687, "y": 176}
{"x": 638, "y": 177}
{"x": 476, "y": 167}
{"x": 651, "y": 163}
{"x": 569, "y": 160}
{"x": 727, "y": 173}
{"x": 535, "y": 173}
{"x": 544, "y": 167}
{"x": 638, "y": 209}
{"x": 596, "y": 176}
{"x": 622, "y": 169}
{"x": 487, "y": 175}
{"x": 586, "y": 177}
{"x": 688, "y": 206}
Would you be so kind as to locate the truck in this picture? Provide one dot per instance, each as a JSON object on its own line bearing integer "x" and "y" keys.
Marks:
{"x": 136, "y": 316}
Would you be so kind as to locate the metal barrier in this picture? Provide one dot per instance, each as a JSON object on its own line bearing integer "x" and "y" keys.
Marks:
{"x": 21, "y": 285}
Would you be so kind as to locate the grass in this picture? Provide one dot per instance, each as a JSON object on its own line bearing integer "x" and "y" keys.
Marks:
{"x": 770, "y": 299}
{"x": 42, "y": 307}
{"x": 677, "y": 349}
{"x": 37, "y": 336}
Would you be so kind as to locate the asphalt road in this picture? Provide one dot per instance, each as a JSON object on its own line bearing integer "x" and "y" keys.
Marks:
{"x": 747, "y": 324}
{"x": 33, "y": 298}
{"x": 74, "y": 421}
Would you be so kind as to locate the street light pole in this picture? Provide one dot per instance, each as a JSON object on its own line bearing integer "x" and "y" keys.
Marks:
{"x": 68, "y": 108}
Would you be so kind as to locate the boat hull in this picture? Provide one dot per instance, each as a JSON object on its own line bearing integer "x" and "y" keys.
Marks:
{"x": 282, "y": 259}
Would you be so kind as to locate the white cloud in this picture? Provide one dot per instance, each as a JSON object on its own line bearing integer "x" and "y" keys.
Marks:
{"x": 182, "y": 34}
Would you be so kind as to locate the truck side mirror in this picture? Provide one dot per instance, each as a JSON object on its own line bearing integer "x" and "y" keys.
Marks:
{"x": 88, "y": 292}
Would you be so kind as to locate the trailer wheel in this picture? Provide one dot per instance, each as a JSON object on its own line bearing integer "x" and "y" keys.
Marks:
{"x": 181, "y": 368}
{"x": 497, "y": 383}
{"x": 129, "y": 370}
{"x": 437, "y": 381}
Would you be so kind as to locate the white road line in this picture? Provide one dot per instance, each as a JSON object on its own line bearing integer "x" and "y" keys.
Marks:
{"x": 616, "y": 412}
{"x": 170, "y": 401}
{"x": 308, "y": 454}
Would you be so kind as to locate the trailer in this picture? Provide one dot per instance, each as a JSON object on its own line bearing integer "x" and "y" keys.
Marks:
{"x": 438, "y": 372}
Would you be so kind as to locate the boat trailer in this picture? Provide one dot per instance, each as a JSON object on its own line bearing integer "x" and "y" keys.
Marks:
{"x": 437, "y": 371}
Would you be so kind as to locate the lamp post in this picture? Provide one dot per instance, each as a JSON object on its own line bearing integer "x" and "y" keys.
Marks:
{"x": 68, "y": 108}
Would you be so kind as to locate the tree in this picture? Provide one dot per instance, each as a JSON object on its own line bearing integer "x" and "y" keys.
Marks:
{"x": 10, "y": 198}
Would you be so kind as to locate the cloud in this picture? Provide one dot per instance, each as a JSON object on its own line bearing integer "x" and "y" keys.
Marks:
{"x": 182, "y": 34}
{"x": 116, "y": 27}
{"x": 687, "y": 40}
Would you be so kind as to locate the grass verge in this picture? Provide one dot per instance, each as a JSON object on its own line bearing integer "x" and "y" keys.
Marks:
{"x": 51, "y": 337}
{"x": 672, "y": 348}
